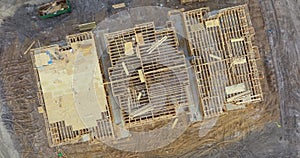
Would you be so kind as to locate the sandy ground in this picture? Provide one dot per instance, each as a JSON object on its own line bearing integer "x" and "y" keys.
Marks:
{"x": 6, "y": 145}
{"x": 7, "y": 9}
{"x": 285, "y": 37}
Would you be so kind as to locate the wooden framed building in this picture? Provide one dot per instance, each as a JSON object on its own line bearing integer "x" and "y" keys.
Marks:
{"x": 71, "y": 91}
{"x": 224, "y": 58}
{"x": 148, "y": 74}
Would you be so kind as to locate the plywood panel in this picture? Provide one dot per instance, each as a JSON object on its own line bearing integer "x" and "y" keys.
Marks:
{"x": 235, "y": 88}
{"x": 72, "y": 89}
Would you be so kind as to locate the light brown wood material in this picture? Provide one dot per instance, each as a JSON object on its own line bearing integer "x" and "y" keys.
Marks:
{"x": 156, "y": 79}
{"x": 223, "y": 56}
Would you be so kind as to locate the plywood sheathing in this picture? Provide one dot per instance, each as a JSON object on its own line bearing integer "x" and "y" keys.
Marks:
{"x": 237, "y": 88}
{"x": 128, "y": 48}
{"x": 140, "y": 39}
{"x": 72, "y": 91}
{"x": 223, "y": 56}
{"x": 42, "y": 59}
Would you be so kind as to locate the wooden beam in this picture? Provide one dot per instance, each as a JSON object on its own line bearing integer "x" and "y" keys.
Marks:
{"x": 118, "y": 6}
{"x": 157, "y": 44}
{"x": 125, "y": 68}
{"x": 30, "y": 46}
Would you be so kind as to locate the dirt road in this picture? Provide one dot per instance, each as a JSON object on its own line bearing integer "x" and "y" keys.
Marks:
{"x": 283, "y": 24}
{"x": 8, "y": 8}
{"x": 6, "y": 145}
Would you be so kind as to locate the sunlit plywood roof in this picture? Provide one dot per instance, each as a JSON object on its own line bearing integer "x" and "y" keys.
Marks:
{"x": 72, "y": 84}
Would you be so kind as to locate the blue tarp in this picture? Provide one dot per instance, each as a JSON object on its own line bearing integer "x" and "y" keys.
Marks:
{"x": 50, "y": 61}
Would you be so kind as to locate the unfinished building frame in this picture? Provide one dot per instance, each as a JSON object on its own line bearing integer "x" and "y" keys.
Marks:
{"x": 224, "y": 58}
{"x": 71, "y": 91}
{"x": 148, "y": 74}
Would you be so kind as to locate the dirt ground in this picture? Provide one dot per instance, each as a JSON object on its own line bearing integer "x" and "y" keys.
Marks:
{"x": 251, "y": 132}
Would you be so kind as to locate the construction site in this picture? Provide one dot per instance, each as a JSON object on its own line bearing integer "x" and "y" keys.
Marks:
{"x": 144, "y": 79}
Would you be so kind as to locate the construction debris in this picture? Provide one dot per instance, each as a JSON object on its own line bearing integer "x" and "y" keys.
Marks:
{"x": 237, "y": 88}
{"x": 54, "y": 8}
{"x": 141, "y": 111}
{"x": 174, "y": 123}
{"x": 87, "y": 26}
{"x": 239, "y": 60}
{"x": 118, "y": 6}
{"x": 27, "y": 50}
{"x": 155, "y": 45}
{"x": 190, "y": 1}
{"x": 41, "y": 110}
